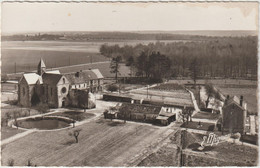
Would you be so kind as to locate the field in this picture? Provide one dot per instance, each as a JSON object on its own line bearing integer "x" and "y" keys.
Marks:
{"x": 26, "y": 54}
{"x": 232, "y": 87}
{"x": 18, "y": 56}
{"x": 101, "y": 143}
{"x": 167, "y": 93}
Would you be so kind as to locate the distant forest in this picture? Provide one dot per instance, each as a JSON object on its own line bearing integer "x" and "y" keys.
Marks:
{"x": 229, "y": 57}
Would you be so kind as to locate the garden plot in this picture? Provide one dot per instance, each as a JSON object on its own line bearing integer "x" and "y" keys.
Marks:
{"x": 101, "y": 143}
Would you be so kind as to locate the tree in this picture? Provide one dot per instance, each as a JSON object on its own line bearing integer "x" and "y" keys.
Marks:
{"x": 236, "y": 136}
{"x": 183, "y": 115}
{"x": 211, "y": 92}
{"x": 10, "y": 162}
{"x": 42, "y": 108}
{"x": 84, "y": 99}
{"x": 130, "y": 62}
{"x": 112, "y": 88}
{"x": 114, "y": 65}
{"x": 15, "y": 116}
{"x": 194, "y": 68}
{"x": 30, "y": 164}
{"x": 75, "y": 134}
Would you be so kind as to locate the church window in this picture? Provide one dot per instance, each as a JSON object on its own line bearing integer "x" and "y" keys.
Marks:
{"x": 63, "y": 90}
{"x": 63, "y": 80}
{"x": 23, "y": 91}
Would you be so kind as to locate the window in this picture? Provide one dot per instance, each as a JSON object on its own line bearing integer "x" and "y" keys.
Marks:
{"x": 51, "y": 91}
{"x": 63, "y": 80}
{"x": 23, "y": 91}
{"x": 63, "y": 90}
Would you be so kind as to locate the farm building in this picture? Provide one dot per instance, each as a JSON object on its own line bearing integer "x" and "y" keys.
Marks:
{"x": 138, "y": 112}
{"x": 57, "y": 90}
{"x": 234, "y": 115}
{"x": 144, "y": 113}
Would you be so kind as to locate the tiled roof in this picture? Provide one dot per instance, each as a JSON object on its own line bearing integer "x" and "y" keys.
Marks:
{"x": 83, "y": 76}
{"x": 98, "y": 73}
{"x": 52, "y": 79}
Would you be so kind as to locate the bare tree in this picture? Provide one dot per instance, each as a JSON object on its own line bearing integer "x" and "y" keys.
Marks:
{"x": 10, "y": 162}
{"x": 15, "y": 116}
{"x": 194, "y": 68}
{"x": 75, "y": 134}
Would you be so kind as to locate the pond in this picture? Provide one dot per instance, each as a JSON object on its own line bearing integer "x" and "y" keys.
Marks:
{"x": 43, "y": 124}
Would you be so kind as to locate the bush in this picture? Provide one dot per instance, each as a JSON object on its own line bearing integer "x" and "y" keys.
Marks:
{"x": 112, "y": 88}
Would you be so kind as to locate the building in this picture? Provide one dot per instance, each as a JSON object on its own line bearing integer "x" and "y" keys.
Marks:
{"x": 58, "y": 90}
{"x": 87, "y": 79}
{"x": 234, "y": 114}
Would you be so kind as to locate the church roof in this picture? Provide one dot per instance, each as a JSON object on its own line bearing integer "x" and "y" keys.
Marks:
{"x": 53, "y": 72}
{"x": 32, "y": 78}
{"x": 49, "y": 78}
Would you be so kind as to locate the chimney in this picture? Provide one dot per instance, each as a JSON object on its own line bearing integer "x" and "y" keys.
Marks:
{"x": 77, "y": 74}
{"x": 241, "y": 100}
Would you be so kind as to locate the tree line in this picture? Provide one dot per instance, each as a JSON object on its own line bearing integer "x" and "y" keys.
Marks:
{"x": 219, "y": 57}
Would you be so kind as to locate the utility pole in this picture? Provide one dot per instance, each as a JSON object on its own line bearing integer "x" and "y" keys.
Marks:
{"x": 91, "y": 61}
{"x": 15, "y": 67}
{"x": 147, "y": 90}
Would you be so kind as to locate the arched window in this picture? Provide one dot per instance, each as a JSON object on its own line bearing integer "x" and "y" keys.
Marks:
{"x": 23, "y": 91}
{"x": 63, "y": 80}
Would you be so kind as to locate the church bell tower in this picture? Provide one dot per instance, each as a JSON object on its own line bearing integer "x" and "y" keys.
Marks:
{"x": 41, "y": 67}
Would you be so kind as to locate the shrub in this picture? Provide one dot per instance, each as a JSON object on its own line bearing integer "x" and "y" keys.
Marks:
{"x": 112, "y": 88}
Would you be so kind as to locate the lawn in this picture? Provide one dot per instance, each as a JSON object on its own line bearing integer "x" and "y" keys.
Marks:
{"x": 7, "y": 132}
{"x": 76, "y": 115}
{"x": 206, "y": 115}
{"x": 101, "y": 143}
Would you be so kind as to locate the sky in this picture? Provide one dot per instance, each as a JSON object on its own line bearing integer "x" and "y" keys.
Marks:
{"x": 35, "y": 17}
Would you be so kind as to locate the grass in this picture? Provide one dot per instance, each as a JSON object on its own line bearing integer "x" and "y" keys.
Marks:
{"x": 78, "y": 116}
{"x": 195, "y": 125}
{"x": 206, "y": 115}
{"x": 99, "y": 145}
{"x": 7, "y": 132}
{"x": 247, "y": 88}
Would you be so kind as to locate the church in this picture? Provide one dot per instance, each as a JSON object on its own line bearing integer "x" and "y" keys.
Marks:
{"x": 59, "y": 90}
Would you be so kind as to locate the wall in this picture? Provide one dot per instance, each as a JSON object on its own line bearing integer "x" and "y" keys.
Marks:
{"x": 23, "y": 99}
{"x": 63, "y": 83}
{"x": 233, "y": 119}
